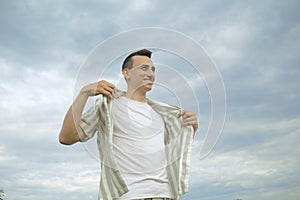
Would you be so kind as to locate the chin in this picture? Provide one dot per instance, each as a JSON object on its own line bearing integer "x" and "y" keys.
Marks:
{"x": 148, "y": 87}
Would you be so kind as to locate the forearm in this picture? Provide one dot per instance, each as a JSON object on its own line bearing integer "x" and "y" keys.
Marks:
{"x": 71, "y": 131}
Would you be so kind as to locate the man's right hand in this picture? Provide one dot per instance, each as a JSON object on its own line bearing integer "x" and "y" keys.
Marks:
{"x": 100, "y": 87}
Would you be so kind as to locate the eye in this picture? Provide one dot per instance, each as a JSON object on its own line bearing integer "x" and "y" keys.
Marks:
{"x": 144, "y": 67}
{"x": 147, "y": 67}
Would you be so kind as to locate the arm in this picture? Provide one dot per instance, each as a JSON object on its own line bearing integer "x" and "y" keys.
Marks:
{"x": 71, "y": 132}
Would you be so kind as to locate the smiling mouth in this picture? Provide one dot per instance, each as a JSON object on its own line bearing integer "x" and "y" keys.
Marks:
{"x": 149, "y": 81}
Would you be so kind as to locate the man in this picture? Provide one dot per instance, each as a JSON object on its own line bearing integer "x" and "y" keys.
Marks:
{"x": 144, "y": 145}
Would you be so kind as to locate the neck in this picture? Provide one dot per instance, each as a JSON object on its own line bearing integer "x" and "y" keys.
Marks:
{"x": 136, "y": 95}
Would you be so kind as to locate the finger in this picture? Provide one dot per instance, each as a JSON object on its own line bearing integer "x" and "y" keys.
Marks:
{"x": 191, "y": 121}
{"x": 110, "y": 85}
{"x": 109, "y": 89}
{"x": 181, "y": 113}
{"x": 102, "y": 88}
{"x": 187, "y": 114}
{"x": 104, "y": 83}
{"x": 190, "y": 118}
{"x": 107, "y": 94}
{"x": 103, "y": 91}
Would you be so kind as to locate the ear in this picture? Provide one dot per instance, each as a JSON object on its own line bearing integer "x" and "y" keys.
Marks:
{"x": 125, "y": 73}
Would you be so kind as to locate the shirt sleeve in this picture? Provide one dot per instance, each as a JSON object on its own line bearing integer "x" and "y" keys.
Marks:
{"x": 89, "y": 122}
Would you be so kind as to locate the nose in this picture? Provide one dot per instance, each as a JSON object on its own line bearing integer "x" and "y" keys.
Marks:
{"x": 150, "y": 73}
{"x": 149, "y": 76}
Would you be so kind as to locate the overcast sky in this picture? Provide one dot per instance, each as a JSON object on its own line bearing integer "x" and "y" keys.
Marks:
{"x": 254, "y": 44}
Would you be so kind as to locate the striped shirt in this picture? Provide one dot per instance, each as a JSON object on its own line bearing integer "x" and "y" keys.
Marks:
{"x": 178, "y": 147}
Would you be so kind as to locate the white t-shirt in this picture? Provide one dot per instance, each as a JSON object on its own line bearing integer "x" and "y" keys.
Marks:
{"x": 138, "y": 143}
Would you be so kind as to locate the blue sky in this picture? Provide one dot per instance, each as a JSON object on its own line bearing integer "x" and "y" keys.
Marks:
{"x": 254, "y": 44}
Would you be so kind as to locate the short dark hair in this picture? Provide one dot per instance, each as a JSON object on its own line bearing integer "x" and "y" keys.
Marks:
{"x": 128, "y": 60}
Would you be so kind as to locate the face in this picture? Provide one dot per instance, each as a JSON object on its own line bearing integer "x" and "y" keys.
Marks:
{"x": 141, "y": 75}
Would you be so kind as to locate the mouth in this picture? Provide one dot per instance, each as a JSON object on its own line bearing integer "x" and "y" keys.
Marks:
{"x": 148, "y": 80}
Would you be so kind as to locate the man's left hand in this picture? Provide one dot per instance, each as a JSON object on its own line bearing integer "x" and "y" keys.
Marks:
{"x": 189, "y": 118}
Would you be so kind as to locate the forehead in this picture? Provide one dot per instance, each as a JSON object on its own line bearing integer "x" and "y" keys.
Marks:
{"x": 140, "y": 60}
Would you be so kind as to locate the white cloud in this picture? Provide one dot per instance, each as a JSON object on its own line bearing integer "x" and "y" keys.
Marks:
{"x": 5, "y": 69}
{"x": 254, "y": 44}
{"x": 227, "y": 41}
{"x": 140, "y": 5}
{"x": 29, "y": 97}
{"x": 5, "y": 156}
{"x": 259, "y": 167}
{"x": 55, "y": 180}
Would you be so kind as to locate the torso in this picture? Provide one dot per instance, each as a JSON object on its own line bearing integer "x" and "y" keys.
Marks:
{"x": 139, "y": 149}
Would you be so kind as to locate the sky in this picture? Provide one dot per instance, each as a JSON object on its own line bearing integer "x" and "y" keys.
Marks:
{"x": 254, "y": 45}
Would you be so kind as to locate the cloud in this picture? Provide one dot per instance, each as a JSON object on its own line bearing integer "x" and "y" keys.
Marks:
{"x": 255, "y": 46}
{"x": 245, "y": 169}
{"x": 51, "y": 180}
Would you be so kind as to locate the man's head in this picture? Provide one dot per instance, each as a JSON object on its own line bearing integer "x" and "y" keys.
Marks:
{"x": 138, "y": 70}
{"x": 128, "y": 62}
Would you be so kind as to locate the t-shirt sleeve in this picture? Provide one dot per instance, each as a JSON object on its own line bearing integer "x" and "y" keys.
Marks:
{"x": 89, "y": 122}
